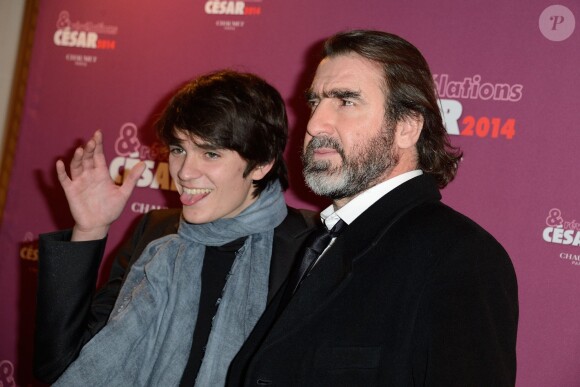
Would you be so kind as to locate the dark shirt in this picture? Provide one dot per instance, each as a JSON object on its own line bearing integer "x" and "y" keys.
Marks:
{"x": 217, "y": 263}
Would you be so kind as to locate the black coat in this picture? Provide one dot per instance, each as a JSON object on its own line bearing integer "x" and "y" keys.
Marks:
{"x": 67, "y": 314}
{"x": 411, "y": 294}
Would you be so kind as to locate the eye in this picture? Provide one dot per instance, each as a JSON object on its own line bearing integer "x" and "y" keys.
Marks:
{"x": 346, "y": 102}
{"x": 176, "y": 150}
{"x": 212, "y": 155}
{"x": 312, "y": 103}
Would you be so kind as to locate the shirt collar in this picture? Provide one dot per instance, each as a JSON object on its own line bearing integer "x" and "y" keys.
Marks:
{"x": 364, "y": 200}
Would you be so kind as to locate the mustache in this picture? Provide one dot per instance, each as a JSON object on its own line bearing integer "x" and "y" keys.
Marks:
{"x": 323, "y": 142}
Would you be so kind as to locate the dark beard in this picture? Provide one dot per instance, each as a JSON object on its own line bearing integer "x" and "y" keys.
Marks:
{"x": 356, "y": 173}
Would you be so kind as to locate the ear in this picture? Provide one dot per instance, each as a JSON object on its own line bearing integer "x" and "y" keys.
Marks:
{"x": 408, "y": 130}
{"x": 260, "y": 171}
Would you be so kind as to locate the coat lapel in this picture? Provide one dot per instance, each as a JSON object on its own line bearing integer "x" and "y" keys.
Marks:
{"x": 288, "y": 237}
{"x": 332, "y": 273}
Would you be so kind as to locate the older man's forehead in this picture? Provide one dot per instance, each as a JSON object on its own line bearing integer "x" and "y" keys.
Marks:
{"x": 346, "y": 73}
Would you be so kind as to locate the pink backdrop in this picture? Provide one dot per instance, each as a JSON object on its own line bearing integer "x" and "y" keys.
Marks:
{"x": 507, "y": 73}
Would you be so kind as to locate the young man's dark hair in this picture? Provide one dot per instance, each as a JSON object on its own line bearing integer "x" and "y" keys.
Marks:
{"x": 236, "y": 111}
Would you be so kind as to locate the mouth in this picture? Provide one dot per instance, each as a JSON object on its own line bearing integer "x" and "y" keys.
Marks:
{"x": 191, "y": 196}
{"x": 196, "y": 191}
{"x": 323, "y": 147}
{"x": 322, "y": 152}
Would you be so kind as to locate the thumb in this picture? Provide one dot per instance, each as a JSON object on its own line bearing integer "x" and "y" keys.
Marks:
{"x": 133, "y": 176}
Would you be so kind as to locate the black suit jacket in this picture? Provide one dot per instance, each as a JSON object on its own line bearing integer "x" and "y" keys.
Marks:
{"x": 411, "y": 294}
{"x": 70, "y": 313}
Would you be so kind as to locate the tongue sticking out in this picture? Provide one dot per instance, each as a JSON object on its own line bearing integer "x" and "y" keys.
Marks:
{"x": 191, "y": 199}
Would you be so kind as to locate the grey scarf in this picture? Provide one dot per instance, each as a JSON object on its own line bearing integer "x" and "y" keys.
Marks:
{"x": 147, "y": 339}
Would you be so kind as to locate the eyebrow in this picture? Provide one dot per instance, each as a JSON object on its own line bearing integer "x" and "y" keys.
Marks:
{"x": 201, "y": 145}
{"x": 208, "y": 146}
{"x": 334, "y": 93}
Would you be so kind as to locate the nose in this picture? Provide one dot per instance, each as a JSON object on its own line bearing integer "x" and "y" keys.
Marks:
{"x": 189, "y": 168}
{"x": 321, "y": 120}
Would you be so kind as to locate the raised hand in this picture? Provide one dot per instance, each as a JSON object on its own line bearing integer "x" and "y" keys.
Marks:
{"x": 94, "y": 199}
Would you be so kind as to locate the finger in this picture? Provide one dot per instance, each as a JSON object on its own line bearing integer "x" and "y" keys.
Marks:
{"x": 132, "y": 177}
{"x": 76, "y": 163}
{"x": 89, "y": 154}
{"x": 61, "y": 174}
{"x": 99, "y": 153}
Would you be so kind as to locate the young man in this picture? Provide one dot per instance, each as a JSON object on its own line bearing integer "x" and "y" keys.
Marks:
{"x": 411, "y": 293}
{"x": 200, "y": 276}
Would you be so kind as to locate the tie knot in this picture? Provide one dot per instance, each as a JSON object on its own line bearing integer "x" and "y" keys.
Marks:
{"x": 337, "y": 228}
{"x": 320, "y": 239}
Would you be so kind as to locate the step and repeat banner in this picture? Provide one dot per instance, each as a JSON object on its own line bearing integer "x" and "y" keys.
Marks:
{"x": 507, "y": 73}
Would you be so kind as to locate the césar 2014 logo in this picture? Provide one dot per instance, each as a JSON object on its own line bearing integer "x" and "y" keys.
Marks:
{"x": 471, "y": 126}
{"x": 474, "y": 88}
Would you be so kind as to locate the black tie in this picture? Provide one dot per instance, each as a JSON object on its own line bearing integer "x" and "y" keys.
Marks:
{"x": 314, "y": 246}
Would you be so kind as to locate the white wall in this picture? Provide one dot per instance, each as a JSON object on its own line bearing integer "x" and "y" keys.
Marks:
{"x": 11, "y": 13}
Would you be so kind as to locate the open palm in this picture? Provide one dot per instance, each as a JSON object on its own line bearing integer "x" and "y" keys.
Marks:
{"x": 94, "y": 199}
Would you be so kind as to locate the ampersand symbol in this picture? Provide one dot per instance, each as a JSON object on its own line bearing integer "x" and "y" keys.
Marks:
{"x": 6, "y": 374}
{"x": 554, "y": 218}
{"x": 128, "y": 144}
{"x": 63, "y": 20}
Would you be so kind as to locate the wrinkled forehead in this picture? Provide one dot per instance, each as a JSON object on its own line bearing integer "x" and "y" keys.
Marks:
{"x": 347, "y": 72}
